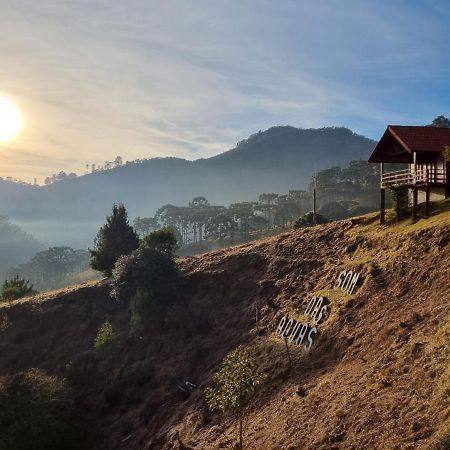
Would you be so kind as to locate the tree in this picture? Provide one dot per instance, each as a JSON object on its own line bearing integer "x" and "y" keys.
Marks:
{"x": 163, "y": 241}
{"x": 220, "y": 225}
{"x": 37, "y": 411}
{"x": 234, "y": 386}
{"x": 145, "y": 225}
{"x": 148, "y": 277}
{"x": 16, "y": 288}
{"x": 199, "y": 202}
{"x": 114, "y": 239}
{"x": 441, "y": 122}
{"x": 308, "y": 220}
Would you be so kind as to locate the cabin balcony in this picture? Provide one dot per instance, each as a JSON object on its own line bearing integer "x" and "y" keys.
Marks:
{"x": 418, "y": 177}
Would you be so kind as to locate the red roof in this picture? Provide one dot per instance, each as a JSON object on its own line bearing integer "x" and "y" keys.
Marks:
{"x": 411, "y": 139}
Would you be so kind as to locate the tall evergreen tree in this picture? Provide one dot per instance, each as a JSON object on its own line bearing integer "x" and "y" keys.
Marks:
{"x": 116, "y": 238}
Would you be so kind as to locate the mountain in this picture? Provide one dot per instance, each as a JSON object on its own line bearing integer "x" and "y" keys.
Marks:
{"x": 276, "y": 160}
{"x": 16, "y": 246}
{"x": 377, "y": 375}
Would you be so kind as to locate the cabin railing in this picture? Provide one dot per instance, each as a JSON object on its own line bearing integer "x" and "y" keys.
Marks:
{"x": 411, "y": 177}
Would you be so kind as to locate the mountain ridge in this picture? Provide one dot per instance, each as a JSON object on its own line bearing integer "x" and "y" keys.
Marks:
{"x": 276, "y": 160}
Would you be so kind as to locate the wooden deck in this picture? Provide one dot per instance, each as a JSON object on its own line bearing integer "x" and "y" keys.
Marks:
{"x": 414, "y": 178}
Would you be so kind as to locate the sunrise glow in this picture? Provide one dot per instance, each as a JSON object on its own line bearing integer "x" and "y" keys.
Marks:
{"x": 10, "y": 119}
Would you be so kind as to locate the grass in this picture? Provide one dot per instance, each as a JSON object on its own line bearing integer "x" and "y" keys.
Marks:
{"x": 438, "y": 352}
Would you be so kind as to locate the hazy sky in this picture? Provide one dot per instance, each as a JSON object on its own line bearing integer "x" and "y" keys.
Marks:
{"x": 99, "y": 78}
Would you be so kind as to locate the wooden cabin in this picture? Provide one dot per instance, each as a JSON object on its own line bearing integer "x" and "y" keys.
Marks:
{"x": 421, "y": 150}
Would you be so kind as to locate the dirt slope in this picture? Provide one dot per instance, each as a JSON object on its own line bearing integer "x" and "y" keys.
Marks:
{"x": 377, "y": 376}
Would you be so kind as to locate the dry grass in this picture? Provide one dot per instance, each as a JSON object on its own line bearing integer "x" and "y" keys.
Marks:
{"x": 376, "y": 377}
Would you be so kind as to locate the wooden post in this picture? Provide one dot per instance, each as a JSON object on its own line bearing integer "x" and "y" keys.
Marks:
{"x": 427, "y": 201}
{"x": 414, "y": 205}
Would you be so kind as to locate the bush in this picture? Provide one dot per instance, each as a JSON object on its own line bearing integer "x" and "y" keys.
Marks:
{"x": 114, "y": 239}
{"x": 105, "y": 336}
{"x": 16, "y": 288}
{"x": 36, "y": 412}
{"x": 400, "y": 193}
{"x": 147, "y": 278}
{"x": 163, "y": 241}
{"x": 308, "y": 220}
{"x": 144, "y": 308}
{"x": 235, "y": 385}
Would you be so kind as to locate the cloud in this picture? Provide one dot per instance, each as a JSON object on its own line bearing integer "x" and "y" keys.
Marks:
{"x": 144, "y": 78}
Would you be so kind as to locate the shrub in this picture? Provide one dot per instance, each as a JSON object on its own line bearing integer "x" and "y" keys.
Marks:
{"x": 114, "y": 239}
{"x": 400, "y": 193}
{"x": 163, "y": 241}
{"x": 308, "y": 220}
{"x": 235, "y": 385}
{"x": 147, "y": 278}
{"x": 105, "y": 336}
{"x": 144, "y": 308}
{"x": 16, "y": 288}
{"x": 36, "y": 412}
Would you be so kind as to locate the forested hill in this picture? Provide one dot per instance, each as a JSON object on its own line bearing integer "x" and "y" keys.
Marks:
{"x": 275, "y": 160}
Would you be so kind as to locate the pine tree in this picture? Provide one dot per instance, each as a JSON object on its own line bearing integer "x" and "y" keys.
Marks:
{"x": 116, "y": 238}
{"x": 15, "y": 288}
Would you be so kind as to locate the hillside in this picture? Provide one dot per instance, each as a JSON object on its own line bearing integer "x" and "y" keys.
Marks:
{"x": 276, "y": 160}
{"x": 377, "y": 376}
{"x": 16, "y": 246}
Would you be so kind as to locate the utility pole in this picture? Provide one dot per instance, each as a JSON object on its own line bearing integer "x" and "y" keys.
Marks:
{"x": 314, "y": 178}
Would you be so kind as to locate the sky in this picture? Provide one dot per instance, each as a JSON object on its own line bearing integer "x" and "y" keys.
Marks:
{"x": 145, "y": 78}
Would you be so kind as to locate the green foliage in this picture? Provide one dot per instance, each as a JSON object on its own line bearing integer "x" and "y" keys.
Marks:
{"x": 446, "y": 153}
{"x": 234, "y": 385}
{"x": 308, "y": 220}
{"x": 148, "y": 277}
{"x": 15, "y": 288}
{"x": 235, "y": 382}
{"x": 163, "y": 241}
{"x": 54, "y": 268}
{"x": 441, "y": 122}
{"x": 116, "y": 238}
{"x": 145, "y": 225}
{"x": 36, "y": 412}
{"x": 343, "y": 209}
{"x": 400, "y": 193}
{"x": 144, "y": 308}
{"x": 105, "y": 336}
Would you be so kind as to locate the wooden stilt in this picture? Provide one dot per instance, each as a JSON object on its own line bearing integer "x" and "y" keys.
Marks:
{"x": 414, "y": 204}
{"x": 427, "y": 201}
{"x": 382, "y": 205}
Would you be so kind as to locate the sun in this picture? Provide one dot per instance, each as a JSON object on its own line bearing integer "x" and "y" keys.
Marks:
{"x": 10, "y": 119}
